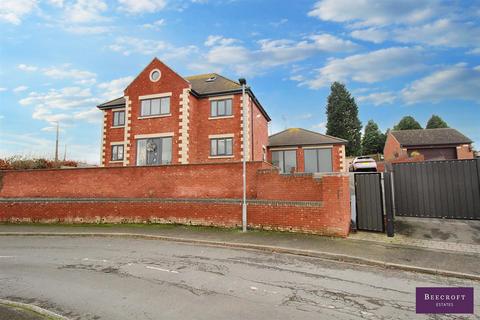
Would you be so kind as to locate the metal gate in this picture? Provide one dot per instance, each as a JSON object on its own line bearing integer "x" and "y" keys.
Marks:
{"x": 369, "y": 201}
{"x": 438, "y": 189}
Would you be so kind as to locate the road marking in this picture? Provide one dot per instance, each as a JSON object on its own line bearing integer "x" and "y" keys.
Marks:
{"x": 160, "y": 269}
{"x": 95, "y": 260}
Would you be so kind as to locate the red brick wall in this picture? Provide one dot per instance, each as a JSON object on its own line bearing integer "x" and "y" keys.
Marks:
{"x": 142, "y": 85}
{"x": 114, "y": 135}
{"x": 465, "y": 151}
{"x": 260, "y": 133}
{"x": 392, "y": 149}
{"x": 179, "y": 193}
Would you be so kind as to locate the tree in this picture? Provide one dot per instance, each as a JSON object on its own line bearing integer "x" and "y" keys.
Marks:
{"x": 342, "y": 118}
{"x": 407, "y": 123}
{"x": 436, "y": 122}
{"x": 373, "y": 139}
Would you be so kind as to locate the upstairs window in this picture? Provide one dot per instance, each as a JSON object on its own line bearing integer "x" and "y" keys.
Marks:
{"x": 118, "y": 118}
{"x": 221, "y": 147}
{"x": 221, "y": 108}
{"x": 155, "y": 107}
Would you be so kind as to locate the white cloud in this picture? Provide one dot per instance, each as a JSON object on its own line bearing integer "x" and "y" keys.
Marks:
{"x": 155, "y": 24}
{"x": 142, "y": 6}
{"x": 374, "y": 35}
{"x": 229, "y": 53}
{"x": 79, "y": 29}
{"x": 20, "y": 89}
{"x": 12, "y": 11}
{"x": 374, "y": 13}
{"x": 277, "y": 24}
{"x": 369, "y": 67}
{"x": 215, "y": 40}
{"x": 458, "y": 82}
{"x": 320, "y": 127}
{"x": 85, "y": 11}
{"x": 129, "y": 45}
{"x": 3, "y": 89}
{"x": 378, "y": 98}
{"x": 114, "y": 89}
{"x": 66, "y": 72}
{"x": 442, "y": 32}
{"x": 25, "y": 67}
{"x": 56, "y": 3}
{"x": 474, "y": 51}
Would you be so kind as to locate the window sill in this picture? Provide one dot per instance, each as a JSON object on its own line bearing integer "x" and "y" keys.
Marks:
{"x": 221, "y": 117}
{"x": 115, "y": 161}
{"x": 156, "y": 116}
{"x": 117, "y": 127}
{"x": 220, "y": 157}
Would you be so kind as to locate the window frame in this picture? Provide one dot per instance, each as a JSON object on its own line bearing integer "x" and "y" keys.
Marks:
{"x": 114, "y": 154}
{"x": 160, "y": 104}
{"x": 283, "y": 167}
{"x": 215, "y": 141}
{"x": 317, "y": 158}
{"x": 160, "y": 155}
{"x": 214, "y": 108}
{"x": 113, "y": 118}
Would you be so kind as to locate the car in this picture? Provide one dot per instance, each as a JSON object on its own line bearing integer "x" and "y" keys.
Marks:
{"x": 363, "y": 164}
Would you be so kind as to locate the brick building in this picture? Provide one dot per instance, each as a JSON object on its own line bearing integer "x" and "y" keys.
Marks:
{"x": 429, "y": 144}
{"x": 301, "y": 150}
{"x": 164, "y": 118}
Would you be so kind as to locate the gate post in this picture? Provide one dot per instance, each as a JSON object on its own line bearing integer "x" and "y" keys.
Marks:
{"x": 390, "y": 203}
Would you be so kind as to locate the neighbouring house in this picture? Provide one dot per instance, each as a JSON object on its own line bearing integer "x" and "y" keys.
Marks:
{"x": 301, "y": 150}
{"x": 164, "y": 118}
{"x": 431, "y": 144}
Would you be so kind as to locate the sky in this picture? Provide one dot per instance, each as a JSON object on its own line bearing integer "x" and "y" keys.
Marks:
{"x": 61, "y": 58}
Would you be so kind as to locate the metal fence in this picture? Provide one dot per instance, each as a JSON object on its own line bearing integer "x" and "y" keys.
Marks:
{"x": 369, "y": 201}
{"x": 438, "y": 189}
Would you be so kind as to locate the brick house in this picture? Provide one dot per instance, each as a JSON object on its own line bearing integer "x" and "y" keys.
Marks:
{"x": 301, "y": 150}
{"x": 430, "y": 144}
{"x": 164, "y": 118}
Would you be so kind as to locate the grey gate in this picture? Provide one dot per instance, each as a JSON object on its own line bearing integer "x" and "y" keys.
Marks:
{"x": 438, "y": 189}
{"x": 369, "y": 201}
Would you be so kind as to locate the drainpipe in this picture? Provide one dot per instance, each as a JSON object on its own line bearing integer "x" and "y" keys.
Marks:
{"x": 243, "y": 82}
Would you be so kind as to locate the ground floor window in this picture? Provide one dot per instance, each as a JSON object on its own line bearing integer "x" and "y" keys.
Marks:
{"x": 221, "y": 147}
{"x": 285, "y": 160}
{"x": 318, "y": 160}
{"x": 154, "y": 151}
{"x": 117, "y": 152}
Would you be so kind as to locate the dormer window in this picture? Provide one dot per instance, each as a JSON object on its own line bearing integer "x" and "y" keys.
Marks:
{"x": 211, "y": 79}
{"x": 155, "y": 75}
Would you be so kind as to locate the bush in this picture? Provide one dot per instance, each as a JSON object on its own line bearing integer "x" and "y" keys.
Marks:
{"x": 24, "y": 163}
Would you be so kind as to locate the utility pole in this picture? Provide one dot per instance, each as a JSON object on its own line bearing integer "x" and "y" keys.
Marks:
{"x": 243, "y": 82}
{"x": 56, "y": 144}
{"x": 65, "y": 153}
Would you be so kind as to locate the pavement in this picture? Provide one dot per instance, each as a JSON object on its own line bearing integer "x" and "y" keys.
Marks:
{"x": 96, "y": 278}
{"x": 380, "y": 252}
{"x": 439, "y": 234}
{"x": 12, "y": 310}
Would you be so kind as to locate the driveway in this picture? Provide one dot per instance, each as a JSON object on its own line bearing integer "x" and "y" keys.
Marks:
{"x": 447, "y": 230}
{"x": 119, "y": 278}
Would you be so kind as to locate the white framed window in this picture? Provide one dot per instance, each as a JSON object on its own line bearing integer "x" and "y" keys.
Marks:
{"x": 154, "y": 107}
{"x": 221, "y": 147}
{"x": 155, "y": 75}
{"x": 118, "y": 118}
{"x": 154, "y": 151}
{"x": 221, "y": 108}
{"x": 117, "y": 152}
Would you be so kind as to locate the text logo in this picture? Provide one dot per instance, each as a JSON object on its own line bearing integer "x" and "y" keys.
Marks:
{"x": 444, "y": 300}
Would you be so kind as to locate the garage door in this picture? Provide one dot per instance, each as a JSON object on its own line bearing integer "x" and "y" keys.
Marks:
{"x": 437, "y": 153}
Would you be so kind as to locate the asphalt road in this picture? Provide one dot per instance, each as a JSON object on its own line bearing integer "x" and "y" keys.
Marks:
{"x": 120, "y": 278}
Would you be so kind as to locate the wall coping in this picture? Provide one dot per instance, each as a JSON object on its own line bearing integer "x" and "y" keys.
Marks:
{"x": 166, "y": 200}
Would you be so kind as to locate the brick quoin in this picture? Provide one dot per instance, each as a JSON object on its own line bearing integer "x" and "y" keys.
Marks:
{"x": 305, "y": 203}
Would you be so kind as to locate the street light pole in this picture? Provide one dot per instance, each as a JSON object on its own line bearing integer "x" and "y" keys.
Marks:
{"x": 243, "y": 82}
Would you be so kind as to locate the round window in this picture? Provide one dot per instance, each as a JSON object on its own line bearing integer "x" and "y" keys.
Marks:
{"x": 155, "y": 75}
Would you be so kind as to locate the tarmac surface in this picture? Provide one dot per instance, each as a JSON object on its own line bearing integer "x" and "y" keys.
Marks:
{"x": 125, "y": 278}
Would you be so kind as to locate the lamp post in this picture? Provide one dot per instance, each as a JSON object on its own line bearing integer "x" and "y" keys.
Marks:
{"x": 243, "y": 82}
